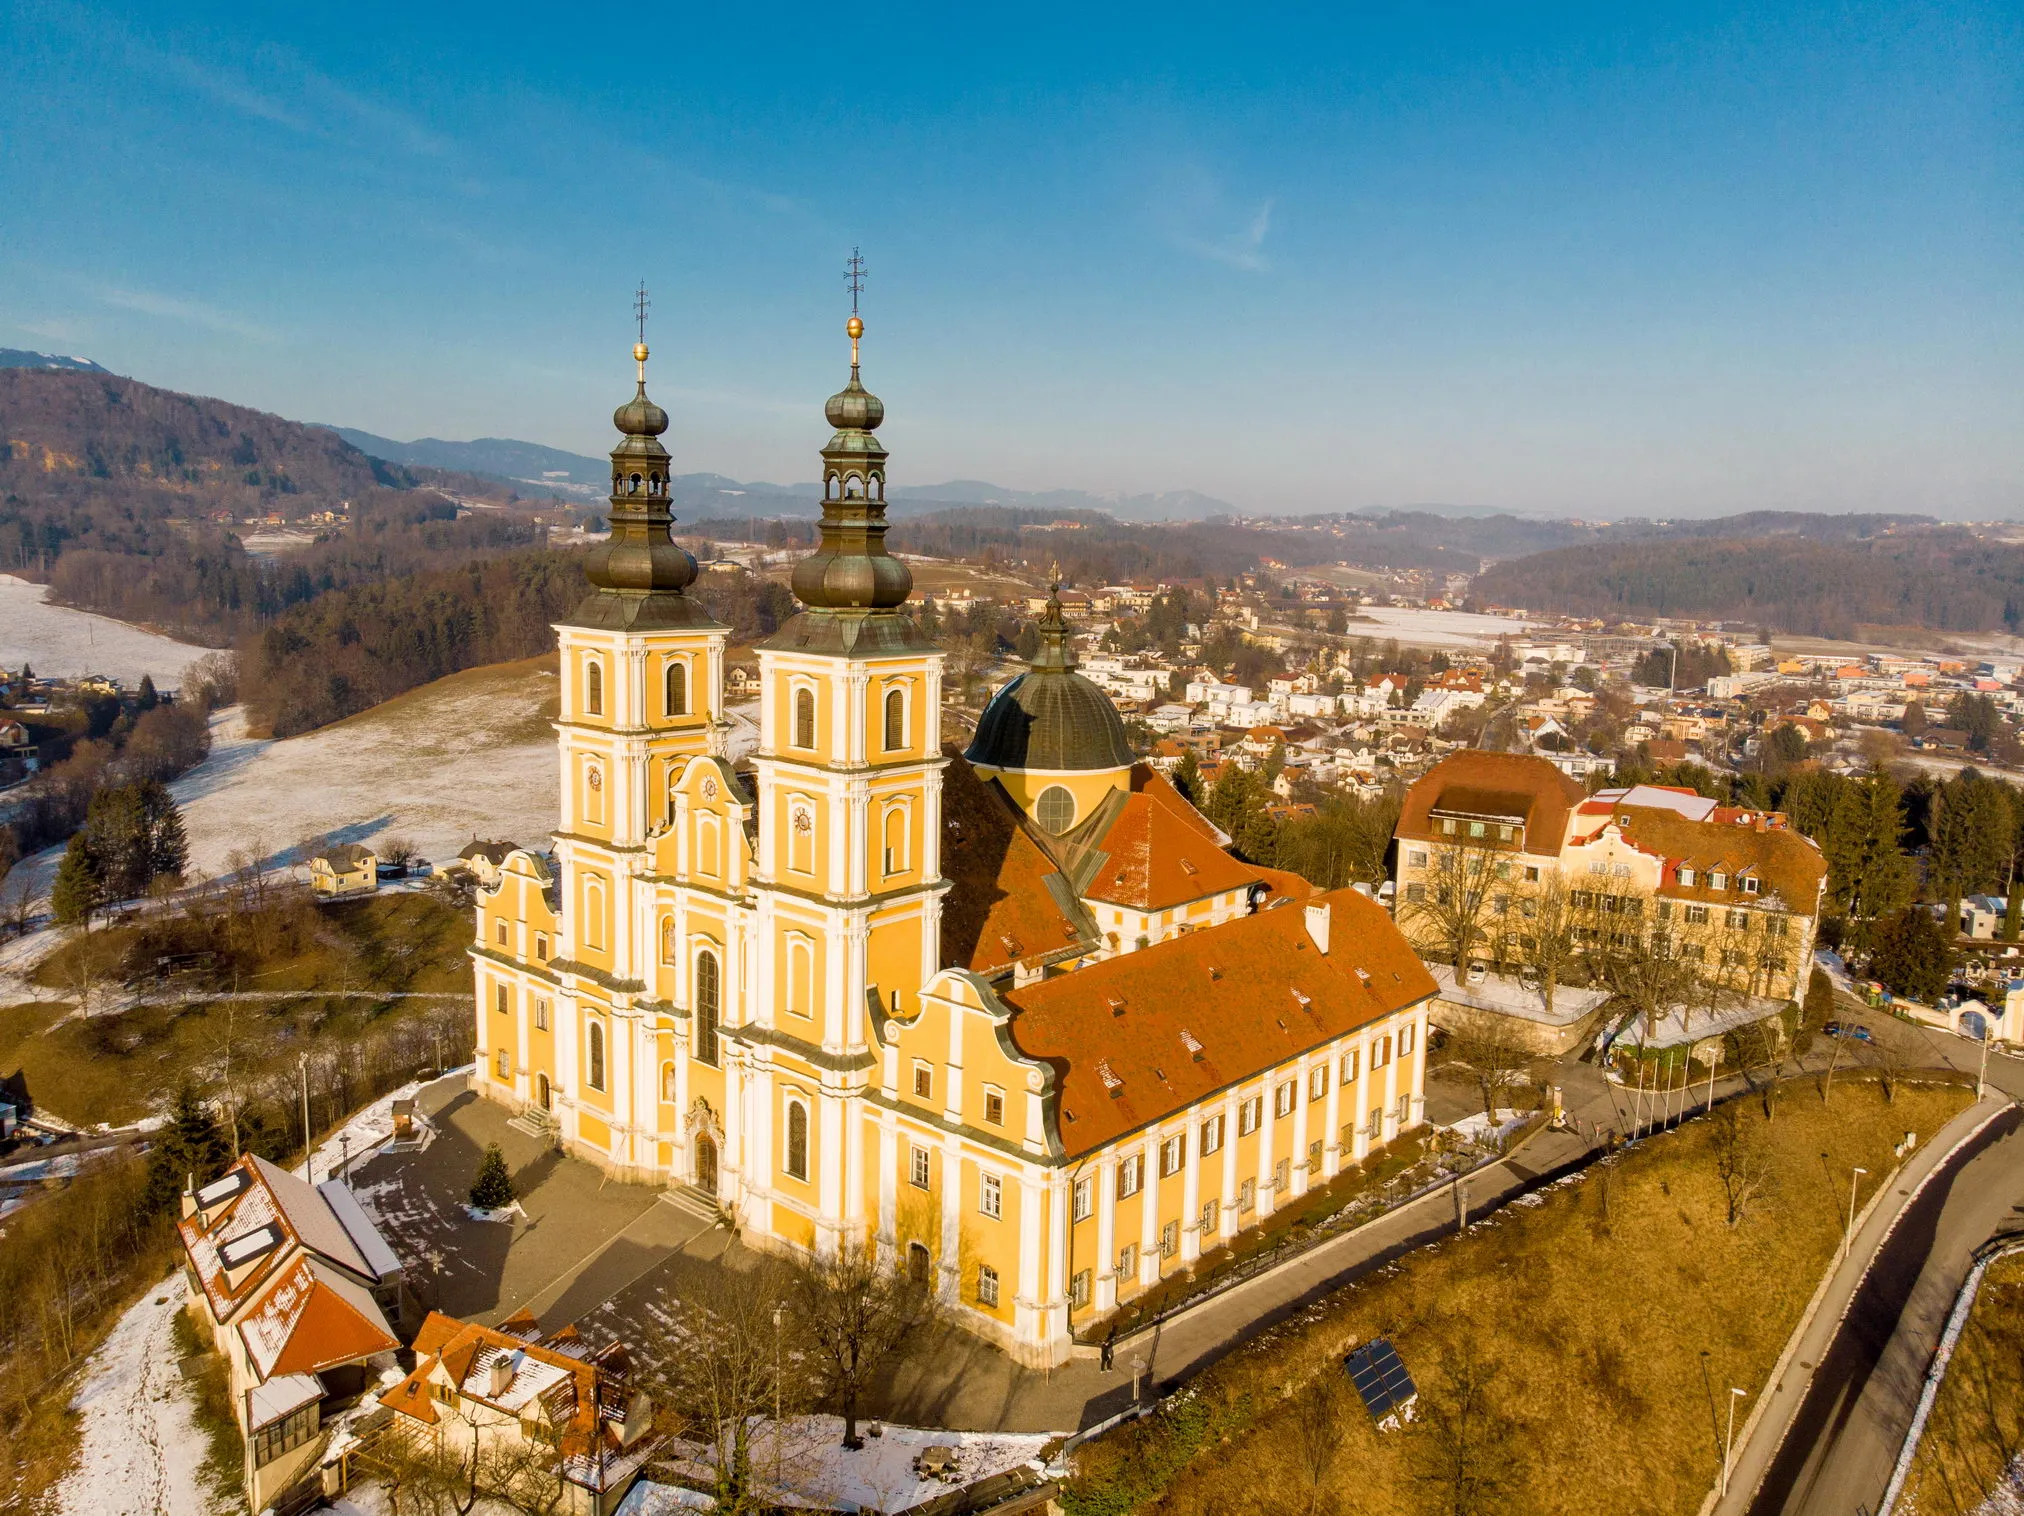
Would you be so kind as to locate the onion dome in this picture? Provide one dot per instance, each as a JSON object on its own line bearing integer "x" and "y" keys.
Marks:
{"x": 850, "y": 568}
{"x": 638, "y": 573}
{"x": 1051, "y": 717}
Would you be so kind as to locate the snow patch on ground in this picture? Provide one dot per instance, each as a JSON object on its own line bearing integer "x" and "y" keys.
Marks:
{"x": 1424, "y": 628}
{"x": 817, "y": 1470}
{"x": 140, "y": 1451}
{"x": 1481, "y": 1129}
{"x": 60, "y": 643}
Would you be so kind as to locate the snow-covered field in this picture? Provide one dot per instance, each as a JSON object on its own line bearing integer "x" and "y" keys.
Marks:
{"x": 60, "y": 643}
{"x": 140, "y": 1451}
{"x": 1424, "y": 628}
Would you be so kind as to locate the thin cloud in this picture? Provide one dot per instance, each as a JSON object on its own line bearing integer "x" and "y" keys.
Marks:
{"x": 1243, "y": 250}
{"x": 175, "y": 308}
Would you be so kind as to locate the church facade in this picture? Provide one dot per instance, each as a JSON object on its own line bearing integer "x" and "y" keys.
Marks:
{"x": 1019, "y": 1017}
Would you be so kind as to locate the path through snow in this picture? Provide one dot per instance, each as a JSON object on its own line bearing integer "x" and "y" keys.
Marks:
{"x": 140, "y": 1450}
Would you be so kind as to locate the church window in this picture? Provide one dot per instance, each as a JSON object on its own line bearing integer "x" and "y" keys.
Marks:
{"x": 895, "y": 839}
{"x": 1207, "y": 1220}
{"x": 1085, "y": 1203}
{"x": 1282, "y": 1098}
{"x": 1249, "y": 1114}
{"x": 917, "y": 1167}
{"x": 895, "y": 721}
{"x": 540, "y": 1015}
{"x": 797, "y": 1139}
{"x": 924, "y": 1082}
{"x": 1317, "y": 1083}
{"x": 593, "y": 688}
{"x": 1406, "y": 1040}
{"x": 1173, "y": 1153}
{"x": 800, "y": 977}
{"x": 991, "y": 1196}
{"x": 804, "y": 718}
{"x": 709, "y": 999}
{"x": 987, "y": 1286}
{"x": 678, "y": 689}
{"x": 668, "y": 1095}
{"x": 502, "y": 934}
{"x": 1349, "y": 1066}
{"x": 1131, "y": 1175}
{"x": 1212, "y": 1136}
{"x": 595, "y": 1038}
{"x": 994, "y": 1107}
{"x": 1078, "y": 1290}
{"x": 1170, "y": 1239}
{"x": 1055, "y": 809}
{"x": 541, "y": 947}
{"x": 502, "y": 1000}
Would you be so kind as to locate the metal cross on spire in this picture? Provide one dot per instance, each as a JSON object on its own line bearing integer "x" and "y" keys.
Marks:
{"x": 853, "y": 277}
{"x": 640, "y": 304}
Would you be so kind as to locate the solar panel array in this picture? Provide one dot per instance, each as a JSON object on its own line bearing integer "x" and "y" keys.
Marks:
{"x": 1380, "y": 1378}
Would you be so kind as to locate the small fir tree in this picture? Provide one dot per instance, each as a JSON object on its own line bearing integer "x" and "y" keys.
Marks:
{"x": 492, "y": 1190}
{"x": 78, "y": 890}
{"x": 191, "y": 1149}
{"x": 147, "y": 700}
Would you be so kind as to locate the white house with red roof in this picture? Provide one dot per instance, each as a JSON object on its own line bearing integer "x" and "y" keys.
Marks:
{"x": 301, "y": 1294}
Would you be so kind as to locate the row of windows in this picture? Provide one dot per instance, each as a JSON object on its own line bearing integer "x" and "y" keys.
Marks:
{"x": 1173, "y": 1150}
{"x": 540, "y": 942}
{"x": 895, "y": 733}
{"x": 674, "y": 689}
{"x": 924, "y": 1089}
{"x": 990, "y": 1187}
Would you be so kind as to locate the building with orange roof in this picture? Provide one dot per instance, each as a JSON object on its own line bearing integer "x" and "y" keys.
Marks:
{"x": 800, "y": 987}
{"x": 571, "y": 1418}
{"x": 1733, "y": 890}
{"x": 300, "y": 1293}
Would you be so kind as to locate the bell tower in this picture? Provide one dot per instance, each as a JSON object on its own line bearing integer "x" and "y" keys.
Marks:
{"x": 849, "y": 791}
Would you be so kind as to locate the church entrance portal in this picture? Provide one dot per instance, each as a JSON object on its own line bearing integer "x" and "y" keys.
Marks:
{"x": 706, "y": 1165}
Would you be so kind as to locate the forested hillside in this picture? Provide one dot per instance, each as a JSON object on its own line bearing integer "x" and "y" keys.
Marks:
{"x": 1944, "y": 578}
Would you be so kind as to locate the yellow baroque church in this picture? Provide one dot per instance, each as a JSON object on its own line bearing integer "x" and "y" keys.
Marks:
{"x": 1018, "y": 1016}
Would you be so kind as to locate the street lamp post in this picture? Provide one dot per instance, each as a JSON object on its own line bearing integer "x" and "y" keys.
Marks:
{"x": 1729, "y": 1441}
{"x": 1848, "y": 1232}
{"x": 776, "y": 1397}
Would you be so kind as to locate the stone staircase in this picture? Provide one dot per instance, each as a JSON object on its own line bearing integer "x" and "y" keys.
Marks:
{"x": 691, "y": 1201}
{"x": 536, "y": 1123}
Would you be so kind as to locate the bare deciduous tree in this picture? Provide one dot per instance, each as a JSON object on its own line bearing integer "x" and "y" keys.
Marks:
{"x": 1447, "y": 915}
{"x": 1319, "y": 1422}
{"x": 1742, "y": 1160}
{"x": 1465, "y": 1447}
{"x": 858, "y": 1314}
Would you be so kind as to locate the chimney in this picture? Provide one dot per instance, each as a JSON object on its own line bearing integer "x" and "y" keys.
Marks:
{"x": 639, "y": 1416}
{"x": 499, "y": 1374}
{"x": 1317, "y": 925}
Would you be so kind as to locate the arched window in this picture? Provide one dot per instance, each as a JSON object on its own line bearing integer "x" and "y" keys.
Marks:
{"x": 804, "y": 718}
{"x": 1056, "y": 809}
{"x": 595, "y": 1039}
{"x": 797, "y": 1139}
{"x": 895, "y": 839}
{"x": 678, "y": 689}
{"x": 667, "y": 939}
{"x": 668, "y": 1095}
{"x": 708, "y": 1004}
{"x": 896, "y": 720}
{"x": 800, "y": 977}
{"x": 593, "y": 688}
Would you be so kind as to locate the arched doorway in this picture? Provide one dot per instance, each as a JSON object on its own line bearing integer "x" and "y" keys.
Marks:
{"x": 1974, "y": 1024}
{"x": 541, "y": 1090}
{"x": 919, "y": 1263}
{"x": 706, "y": 1165}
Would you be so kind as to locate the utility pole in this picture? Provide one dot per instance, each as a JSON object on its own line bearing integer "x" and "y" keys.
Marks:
{"x": 1729, "y": 1441}
{"x": 308, "y": 1138}
{"x": 1982, "y": 1073}
{"x": 1848, "y": 1232}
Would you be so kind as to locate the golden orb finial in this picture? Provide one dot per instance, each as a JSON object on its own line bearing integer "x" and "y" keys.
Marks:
{"x": 639, "y": 352}
{"x": 855, "y": 327}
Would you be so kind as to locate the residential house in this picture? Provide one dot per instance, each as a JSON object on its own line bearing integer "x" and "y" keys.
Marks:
{"x": 484, "y": 860}
{"x": 301, "y": 1296}
{"x": 348, "y": 868}
{"x": 567, "y": 1419}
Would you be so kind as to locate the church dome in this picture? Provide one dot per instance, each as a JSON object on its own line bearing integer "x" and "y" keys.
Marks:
{"x": 1050, "y": 718}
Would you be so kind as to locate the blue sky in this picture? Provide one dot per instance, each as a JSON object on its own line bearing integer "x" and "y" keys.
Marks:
{"x": 1602, "y": 260}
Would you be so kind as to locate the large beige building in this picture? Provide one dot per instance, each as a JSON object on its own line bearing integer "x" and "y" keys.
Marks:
{"x": 1020, "y": 1016}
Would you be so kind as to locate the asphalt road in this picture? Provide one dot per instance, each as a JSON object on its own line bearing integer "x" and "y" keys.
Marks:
{"x": 1837, "y": 1454}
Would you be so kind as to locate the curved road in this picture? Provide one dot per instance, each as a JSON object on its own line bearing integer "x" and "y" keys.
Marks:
{"x": 1837, "y": 1453}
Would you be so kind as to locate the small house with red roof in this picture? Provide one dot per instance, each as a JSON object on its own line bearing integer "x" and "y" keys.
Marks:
{"x": 301, "y": 1295}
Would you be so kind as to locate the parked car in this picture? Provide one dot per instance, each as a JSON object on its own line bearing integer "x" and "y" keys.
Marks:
{"x": 1849, "y": 1030}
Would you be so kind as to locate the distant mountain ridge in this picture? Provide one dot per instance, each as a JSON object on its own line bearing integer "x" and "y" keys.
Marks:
{"x": 17, "y": 357}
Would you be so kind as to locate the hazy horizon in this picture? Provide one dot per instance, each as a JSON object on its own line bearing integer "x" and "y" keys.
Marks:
{"x": 1678, "y": 263}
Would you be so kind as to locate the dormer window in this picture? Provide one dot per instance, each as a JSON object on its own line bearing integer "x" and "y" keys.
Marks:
{"x": 1718, "y": 880}
{"x": 1686, "y": 877}
{"x": 1749, "y": 884}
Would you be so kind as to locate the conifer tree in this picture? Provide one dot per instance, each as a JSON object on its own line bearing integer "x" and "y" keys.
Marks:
{"x": 191, "y": 1148}
{"x": 1188, "y": 777}
{"x": 492, "y": 1190}
{"x": 148, "y": 699}
{"x": 78, "y": 890}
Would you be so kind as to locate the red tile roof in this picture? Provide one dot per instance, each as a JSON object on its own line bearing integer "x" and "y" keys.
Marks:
{"x": 1494, "y": 784}
{"x": 1139, "y": 1037}
{"x": 312, "y": 1318}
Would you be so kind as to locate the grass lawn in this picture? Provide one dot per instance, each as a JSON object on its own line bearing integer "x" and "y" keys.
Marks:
{"x": 1571, "y": 1350}
{"x": 1977, "y": 1425}
{"x": 118, "y": 1067}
